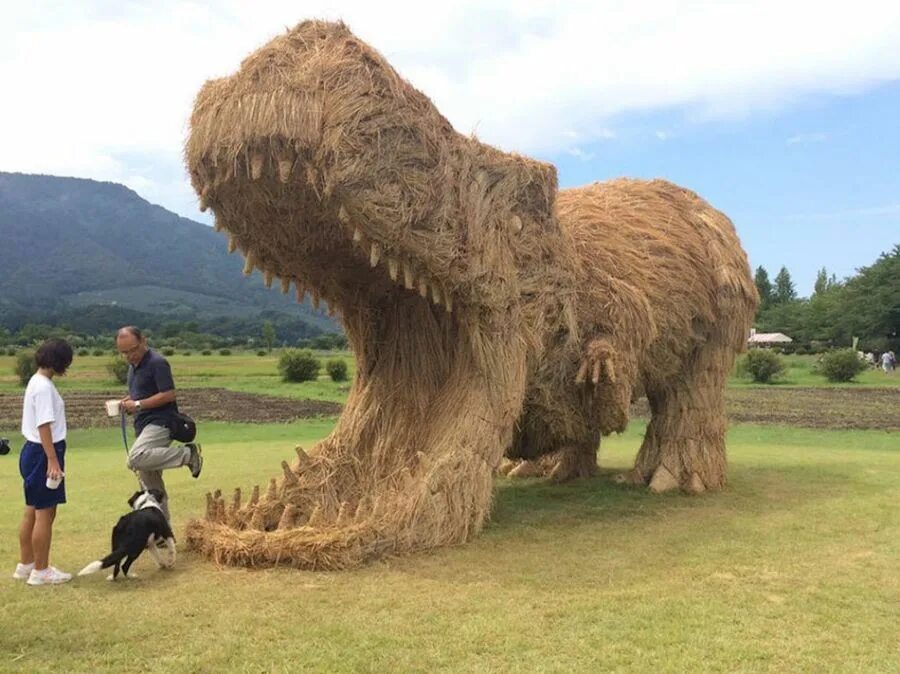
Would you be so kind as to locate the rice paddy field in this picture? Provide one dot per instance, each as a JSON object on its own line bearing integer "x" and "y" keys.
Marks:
{"x": 795, "y": 566}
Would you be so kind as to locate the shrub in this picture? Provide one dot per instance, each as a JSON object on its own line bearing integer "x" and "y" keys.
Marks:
{"x": 761, "y": 365}
{"x": 840, "y": 365}
{"x": 168, "y": 351}
{"x": 225, "y": 352}
{"x": 98, "y": 352}
{"x": 10, "y": 351}
{"x": 260, "y": 353}
{"x": 336, "y": 369}
{"x": 298, "y": 366}
{"x": 84, "y": 352}
{"x": 186, "y": 353}
{"x": 25, "y": 366}
{"x": 206, "y": 352}
{"x": 118, "y": 368}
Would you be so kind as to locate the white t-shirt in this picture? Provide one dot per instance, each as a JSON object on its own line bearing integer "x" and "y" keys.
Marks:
{"x": 42, "y": 405}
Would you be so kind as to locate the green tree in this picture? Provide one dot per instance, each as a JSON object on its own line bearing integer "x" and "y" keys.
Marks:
{"x": 763, "y": 286}
{"x": 268, "y": 334}
{"x": 784, "y": 287}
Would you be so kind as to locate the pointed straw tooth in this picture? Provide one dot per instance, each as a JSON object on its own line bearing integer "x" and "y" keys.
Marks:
{"x": 204, "y": 199}
{"x": 288, "y": 517}
{"x": 272, "y": 492}
{"x": 301, "y": 293}
{"x": 345, "y": 515}
{"x": 393, "y": 268}
{"x": 284, "y": 169}
{"x": 332, "y": 312}
{"x": 248, "y": 265}
{"x": 357, "y": 235}
{"x": 375, "y": 255}
{"x": 256, "y": 166}
{"x": 236, "y": 499}
{"x": 210, "y": 506}
{"x": 344, "y": 216}
{"x": 423, "y": 460}
{"x": 217, "y": 494}
{"x": 448, "y": 302}
{"x": 303, "y": 459}
{"x": 254, "y": 497}
{"x": 290, "y": 477}
{"x": 217, "y": 225}
{"x": 316, "y": 517}
{"x": 220, "y": 511}
{"x": 232, "y": 246}
{"x": 285, "y": 286}
{"x": 363, "y": 509}
{"x": 378, "y": 506}
{"x": 257, "y": 520}
{"x": 423, "y": 287}
{"x": 315, "y": 299}
{"x": 436, "y": 293}
{"x": 406, "y": 478}
{"x": 268, "y": 277}
{"x": 409, "y": 279}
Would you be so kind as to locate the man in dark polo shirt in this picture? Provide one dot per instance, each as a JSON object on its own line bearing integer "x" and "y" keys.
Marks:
{"x": 151, "y": 398}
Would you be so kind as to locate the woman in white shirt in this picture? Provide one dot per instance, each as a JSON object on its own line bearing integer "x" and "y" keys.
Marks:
{"x": 41, "y": 464}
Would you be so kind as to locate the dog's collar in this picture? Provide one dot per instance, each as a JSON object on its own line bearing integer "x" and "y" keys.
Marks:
{"x": 141, "y": 504}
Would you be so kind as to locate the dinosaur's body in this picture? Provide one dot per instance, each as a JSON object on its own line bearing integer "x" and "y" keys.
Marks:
{"x": 488, "y": 313}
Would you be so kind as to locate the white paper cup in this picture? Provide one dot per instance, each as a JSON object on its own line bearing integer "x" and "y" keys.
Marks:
{"x": 53, "y": 483}
{"x": 112, "y": 408}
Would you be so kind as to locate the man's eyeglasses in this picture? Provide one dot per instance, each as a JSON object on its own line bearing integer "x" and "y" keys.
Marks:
{"x": 128, "y": 352}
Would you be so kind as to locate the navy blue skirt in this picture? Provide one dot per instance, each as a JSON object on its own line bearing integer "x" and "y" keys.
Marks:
{"x": 33, "y": 468}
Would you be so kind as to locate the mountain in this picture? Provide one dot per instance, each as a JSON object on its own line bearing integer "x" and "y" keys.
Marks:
{"x": 70, "y": 247}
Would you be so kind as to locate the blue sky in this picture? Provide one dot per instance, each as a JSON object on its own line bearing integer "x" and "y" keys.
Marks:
{"x": 813, "y": 185}
{"x": 783, "y": 114}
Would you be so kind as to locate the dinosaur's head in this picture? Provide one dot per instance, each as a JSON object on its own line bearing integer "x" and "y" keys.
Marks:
{"x": 329, "y": 170}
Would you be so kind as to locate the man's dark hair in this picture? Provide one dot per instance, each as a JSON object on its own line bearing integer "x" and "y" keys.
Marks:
{"x": 132, "y": 330}
{"x": 55, "y": 354}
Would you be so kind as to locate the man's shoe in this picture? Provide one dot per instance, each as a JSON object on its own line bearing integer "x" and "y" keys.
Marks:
{"x": 195, "y": 463}
{"x": 23, "y": 571}
{"x": 49, "y": 576}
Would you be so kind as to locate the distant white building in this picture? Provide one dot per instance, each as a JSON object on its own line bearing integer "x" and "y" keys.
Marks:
{"x": 767, "y": 338}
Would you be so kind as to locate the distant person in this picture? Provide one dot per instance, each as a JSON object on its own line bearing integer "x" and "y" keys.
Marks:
{"x": 151, "y": 398}
{"x": 888, "y": 362}
{"x": 42, "y": 463}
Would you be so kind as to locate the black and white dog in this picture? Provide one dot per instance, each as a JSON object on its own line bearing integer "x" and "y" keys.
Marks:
{"x": 140, "y": 529}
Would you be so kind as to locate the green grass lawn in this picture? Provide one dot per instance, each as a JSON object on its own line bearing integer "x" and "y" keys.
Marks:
{"x": 794, "y": 567}
{"x": 800, "y": 372}
{"x": 242, "y": 371}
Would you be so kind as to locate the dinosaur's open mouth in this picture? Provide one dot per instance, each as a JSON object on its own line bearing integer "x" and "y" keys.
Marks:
{"x": 276, "y": 215}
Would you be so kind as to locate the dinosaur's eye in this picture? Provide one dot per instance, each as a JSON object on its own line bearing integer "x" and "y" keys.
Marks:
{"x": 515, "y": 224}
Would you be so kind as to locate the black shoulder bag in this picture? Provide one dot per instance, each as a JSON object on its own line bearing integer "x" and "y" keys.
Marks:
{"x": 182, "y": 427}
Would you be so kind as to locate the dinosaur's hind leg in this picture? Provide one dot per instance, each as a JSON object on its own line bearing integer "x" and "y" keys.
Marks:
{"x": 684, "y": 446}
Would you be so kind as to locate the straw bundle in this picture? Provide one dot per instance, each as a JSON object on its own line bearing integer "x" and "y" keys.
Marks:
{"x": 484, "y": 313}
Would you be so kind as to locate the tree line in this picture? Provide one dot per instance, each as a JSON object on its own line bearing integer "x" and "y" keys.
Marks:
{"x": 866, "y": 306}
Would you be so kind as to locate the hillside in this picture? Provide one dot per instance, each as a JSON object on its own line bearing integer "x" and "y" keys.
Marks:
{"x": 70, "y": 246}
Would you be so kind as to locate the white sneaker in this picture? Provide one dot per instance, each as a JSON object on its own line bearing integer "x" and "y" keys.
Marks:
{"x": 49, "y": 576}
{"x": 23, "y": 571}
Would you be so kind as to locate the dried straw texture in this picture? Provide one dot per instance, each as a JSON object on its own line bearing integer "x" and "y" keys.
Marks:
{"x": 473, "y": 308}
{"x": 665, "y": 301}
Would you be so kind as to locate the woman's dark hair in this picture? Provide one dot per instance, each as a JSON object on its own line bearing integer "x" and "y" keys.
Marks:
{"x": 55, "y": 354}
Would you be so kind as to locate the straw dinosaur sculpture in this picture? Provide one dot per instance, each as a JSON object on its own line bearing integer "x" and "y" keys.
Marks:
{"x": 489, "y": 313}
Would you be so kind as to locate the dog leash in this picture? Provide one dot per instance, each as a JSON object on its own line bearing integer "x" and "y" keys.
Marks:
{"x": 122, "y": 423}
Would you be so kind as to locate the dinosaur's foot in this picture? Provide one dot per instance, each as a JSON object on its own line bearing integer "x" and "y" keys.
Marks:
{"x": 569, "y": 463}
{"x": 663, "y": 479}
{"x": 326, "y": 515}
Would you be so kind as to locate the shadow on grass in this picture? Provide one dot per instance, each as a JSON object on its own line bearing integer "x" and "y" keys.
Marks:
{"x": 600, "y": 500}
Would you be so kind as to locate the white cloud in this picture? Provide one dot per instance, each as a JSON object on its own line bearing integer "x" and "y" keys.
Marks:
{"x": 103, "y": 90}
{"x": 806, "y": 138}
{"x": 662, "y": 135}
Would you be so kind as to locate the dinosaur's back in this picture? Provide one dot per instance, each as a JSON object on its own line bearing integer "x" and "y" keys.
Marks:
{"x": 660, "y": 265}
